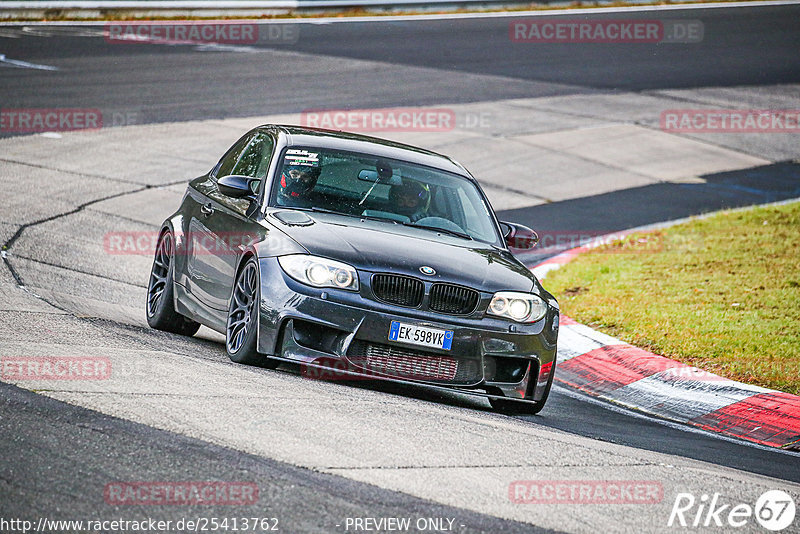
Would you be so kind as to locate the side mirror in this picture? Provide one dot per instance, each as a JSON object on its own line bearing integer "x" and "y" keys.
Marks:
{"x": 236, "y": 186}
{"x": 518, "y": 236}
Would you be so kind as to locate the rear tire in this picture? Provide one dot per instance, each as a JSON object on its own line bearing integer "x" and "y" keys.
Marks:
{"x": 241, "y": 329}
{"x": 160, "y": 305}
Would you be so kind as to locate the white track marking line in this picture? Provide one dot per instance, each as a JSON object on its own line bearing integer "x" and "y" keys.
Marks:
{"x": 24, "y": 64}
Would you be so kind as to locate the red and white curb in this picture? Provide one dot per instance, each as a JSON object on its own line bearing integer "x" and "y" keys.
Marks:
{"x": 609, "y": 369}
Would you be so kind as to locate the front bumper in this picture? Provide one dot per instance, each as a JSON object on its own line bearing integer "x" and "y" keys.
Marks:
{"x": 347, "y": 328}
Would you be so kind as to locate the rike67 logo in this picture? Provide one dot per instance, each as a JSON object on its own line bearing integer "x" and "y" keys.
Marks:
{"x": 774, "y": 510}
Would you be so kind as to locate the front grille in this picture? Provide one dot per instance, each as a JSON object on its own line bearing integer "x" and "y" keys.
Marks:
{"x": 452, "y": 299}
{"x": 400, "y": 290}
{"x": 410, "y": 364}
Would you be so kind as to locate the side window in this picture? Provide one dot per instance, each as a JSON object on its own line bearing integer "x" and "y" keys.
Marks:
{"x": 229, "y": 160}
{"x": 254, "y": 161}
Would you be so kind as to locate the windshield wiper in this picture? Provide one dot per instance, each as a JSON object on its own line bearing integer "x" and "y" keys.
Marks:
{"x": 326, "y": 210}
{"x": 462, "y": 235}
{"x": 322, "y": 210}
{"x": 377, "y": 218}
{"x": 333, "y": 212}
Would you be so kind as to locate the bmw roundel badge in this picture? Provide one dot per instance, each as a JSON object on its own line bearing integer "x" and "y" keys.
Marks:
{"x": 430, "y": 271}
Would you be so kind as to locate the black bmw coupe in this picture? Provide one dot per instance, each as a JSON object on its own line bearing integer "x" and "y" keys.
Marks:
{"x": 382, "y": 259}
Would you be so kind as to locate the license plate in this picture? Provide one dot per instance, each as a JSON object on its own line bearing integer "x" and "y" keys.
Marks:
{"x": 421, "y": 335}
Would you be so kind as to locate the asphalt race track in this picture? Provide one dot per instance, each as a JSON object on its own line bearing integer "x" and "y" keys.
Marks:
{"x": 405, "y": 63}
{"x": 563, "y": 136}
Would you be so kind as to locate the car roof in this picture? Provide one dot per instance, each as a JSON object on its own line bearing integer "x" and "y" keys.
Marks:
{"x": 340, "y": 140}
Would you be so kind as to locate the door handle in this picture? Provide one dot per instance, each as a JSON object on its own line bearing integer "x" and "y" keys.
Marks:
{"x": 207, "y": 209}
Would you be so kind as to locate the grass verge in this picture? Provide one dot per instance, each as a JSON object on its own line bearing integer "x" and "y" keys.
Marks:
{"x": 720, "y": 293}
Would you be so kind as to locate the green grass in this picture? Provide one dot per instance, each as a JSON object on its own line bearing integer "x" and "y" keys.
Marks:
{"x": 721, "y": 293}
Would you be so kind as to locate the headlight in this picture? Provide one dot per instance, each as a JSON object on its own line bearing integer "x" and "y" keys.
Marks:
{"x": 520, "y": 307}
{"x": 319, "y": 272}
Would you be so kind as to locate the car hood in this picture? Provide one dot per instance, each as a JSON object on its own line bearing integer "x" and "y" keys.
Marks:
{"x": 378, "y": 246}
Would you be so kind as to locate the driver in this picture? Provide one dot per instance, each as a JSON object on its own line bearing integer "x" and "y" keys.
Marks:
{"x": 297, "y": 181}
{"x": 411, "y": 198}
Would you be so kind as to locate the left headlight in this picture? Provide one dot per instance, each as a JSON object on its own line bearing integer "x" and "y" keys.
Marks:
{"x": 319, "y": 272}
{"x": 520, "y": 307}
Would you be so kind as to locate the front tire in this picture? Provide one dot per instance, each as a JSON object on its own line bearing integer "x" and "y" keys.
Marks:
{"x": 241, "y": 330}
{"x": 160, "y": 306}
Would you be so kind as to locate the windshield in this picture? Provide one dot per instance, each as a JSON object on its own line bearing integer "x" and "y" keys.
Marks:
{"x": 395, "y": 191}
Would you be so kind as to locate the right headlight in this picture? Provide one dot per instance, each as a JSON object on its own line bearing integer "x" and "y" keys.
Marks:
{"x": 520, "y": 307}
{"x": 319, "y": 272}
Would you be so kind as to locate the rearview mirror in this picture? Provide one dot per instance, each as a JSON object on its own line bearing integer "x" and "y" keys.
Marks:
{"x": 369, "y": 175}
{"x": 518, "y": 236}
{"x": 236, "y": 186}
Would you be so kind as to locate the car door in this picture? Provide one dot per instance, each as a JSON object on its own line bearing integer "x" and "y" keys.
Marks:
{"x": 221, "y": 227}
{"x": 197, "y": 197}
